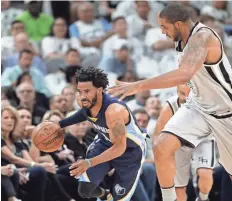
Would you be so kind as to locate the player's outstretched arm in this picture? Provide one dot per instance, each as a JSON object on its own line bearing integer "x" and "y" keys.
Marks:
{"x": 78, "y": 117}
{"x": 193, "y": 59}
{"x": 116, "y": 116}
{"x": 165, "y": 114}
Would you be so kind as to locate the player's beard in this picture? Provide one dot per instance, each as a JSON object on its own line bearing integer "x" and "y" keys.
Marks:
{"x": 92, "y": 102}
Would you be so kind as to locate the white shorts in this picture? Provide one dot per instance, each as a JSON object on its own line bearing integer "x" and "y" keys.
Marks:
{"x": 193, "y": 126}
{"x": 189, "y": 159}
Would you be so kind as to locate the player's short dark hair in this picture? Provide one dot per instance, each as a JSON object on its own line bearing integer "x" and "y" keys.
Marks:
{"x": 16, "y": 22}
{"x": 175, "y": 12}
{"x": 27, "y": 51}
{"x": 70, "y": 72}
{"x": 92, "y": 74}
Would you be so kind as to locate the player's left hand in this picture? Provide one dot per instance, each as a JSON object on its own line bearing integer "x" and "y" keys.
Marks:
{"x": 78, "y": 168}
{"x": 123, "y": 88}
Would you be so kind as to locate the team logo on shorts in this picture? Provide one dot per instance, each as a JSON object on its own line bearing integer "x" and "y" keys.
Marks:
{"x": 119, "y": 190}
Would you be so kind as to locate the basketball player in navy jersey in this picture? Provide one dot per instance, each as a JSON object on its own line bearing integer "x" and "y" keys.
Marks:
{"x": 208, "y": 110}
{"x": 119, "y": 145}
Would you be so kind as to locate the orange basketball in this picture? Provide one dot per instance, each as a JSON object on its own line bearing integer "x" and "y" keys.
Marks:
{"x": 48, "y": 136}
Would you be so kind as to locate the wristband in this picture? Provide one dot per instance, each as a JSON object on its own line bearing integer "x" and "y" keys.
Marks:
{"x": 89, "y": 162}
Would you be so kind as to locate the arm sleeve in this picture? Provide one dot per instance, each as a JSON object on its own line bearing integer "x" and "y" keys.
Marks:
{"x": 78, "y": 117}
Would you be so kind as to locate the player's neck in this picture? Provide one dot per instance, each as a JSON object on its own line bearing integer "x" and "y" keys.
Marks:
{"x": 96, "y": 108}
{"x": 187, "y": 31}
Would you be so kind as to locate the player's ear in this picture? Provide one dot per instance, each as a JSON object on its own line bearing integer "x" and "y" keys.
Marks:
{"x": 100, "y": 90}
{"x": 178, "y": 24}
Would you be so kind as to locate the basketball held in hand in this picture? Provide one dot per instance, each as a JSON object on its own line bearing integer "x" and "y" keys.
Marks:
{"x": 48, "y": 136}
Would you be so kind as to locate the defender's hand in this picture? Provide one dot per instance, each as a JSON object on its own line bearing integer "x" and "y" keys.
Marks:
{"x": 78, "y": 168}
{"x": 123, "y": 88}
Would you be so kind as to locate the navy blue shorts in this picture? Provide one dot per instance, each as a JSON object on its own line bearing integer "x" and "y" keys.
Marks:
{"x": 127, "y": 169}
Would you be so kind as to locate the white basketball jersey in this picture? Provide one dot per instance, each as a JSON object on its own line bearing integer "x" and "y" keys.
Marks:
{"x": 211, "y": 86}
{"x": 173, "y": 102}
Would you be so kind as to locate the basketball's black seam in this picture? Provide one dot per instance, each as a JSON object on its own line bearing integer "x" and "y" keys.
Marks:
{"x": 47, "y": 137}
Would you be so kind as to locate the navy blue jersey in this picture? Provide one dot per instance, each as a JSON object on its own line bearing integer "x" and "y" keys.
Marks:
{"x": 134, "y": 134}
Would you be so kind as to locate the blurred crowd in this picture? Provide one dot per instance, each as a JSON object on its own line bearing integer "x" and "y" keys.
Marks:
{"x": 43, "y": 44}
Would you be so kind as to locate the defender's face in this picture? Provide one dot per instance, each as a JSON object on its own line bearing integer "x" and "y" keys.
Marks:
{"x": 170, "y": 30}
{"x": 87, "y": 94}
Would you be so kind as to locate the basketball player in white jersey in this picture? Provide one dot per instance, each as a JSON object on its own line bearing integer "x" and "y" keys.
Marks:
{"x": 208, "y": 110}
{"x": 200, "y": 160}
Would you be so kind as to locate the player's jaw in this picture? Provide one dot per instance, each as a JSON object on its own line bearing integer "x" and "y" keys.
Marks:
{"x": 86, "y": 103}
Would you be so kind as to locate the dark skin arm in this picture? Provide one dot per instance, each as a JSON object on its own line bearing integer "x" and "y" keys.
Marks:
{"x": 116, "y": 116}
{"x": 202, "y": 46}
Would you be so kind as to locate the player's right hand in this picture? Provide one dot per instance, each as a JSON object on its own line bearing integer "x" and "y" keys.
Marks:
{"x": 123, "y": 89}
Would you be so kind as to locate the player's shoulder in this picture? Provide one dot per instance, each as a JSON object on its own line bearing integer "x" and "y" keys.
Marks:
{"x": 203, "y": 36}
{"x": 116, "y": 109}
{"x": 113, "y": 105}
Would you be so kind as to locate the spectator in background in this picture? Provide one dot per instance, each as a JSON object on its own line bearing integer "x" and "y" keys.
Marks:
{"x": 22, "y": 42}
{"x": 64, "y": 155}
{"x": 10, "y": 75}
{"x": 121, "y": 61}
{"x": 73, "y": 57}
{"x": 70, "y": 75}
{"x": 38, "y": 24}
{"x": 8, "y": 15}
{"x": 56, "y": 81}
{"x": 9, "y": 92}
{"x": 70, "y": 93}
{"x": 41, "y": 99}
{"x": 8, "y": 95}
{"x": 25, "y": 118}
{"x": 59, "y": 102}
{"x": 9, "y": 183}
{"x": 146, "y": 189}
{"x": 127, "y": 77}
{"x": 8, "y": 42}
{"x": 107, "y": 8}
{"x": 218, "y": 10}
{"x": 58, "y": 43}
{"x": 26, "y": 95}
{"x": 152, "y": 107}
{"x": 90, "y": 32}
{"x": 74, "y": 139}
{"x": 139, "y": 101}
{"x": 121, "y": 32}
{"x": 15, "y": 151}
{"x": 140, "y": 22}
{"x": 159, "y": 44}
